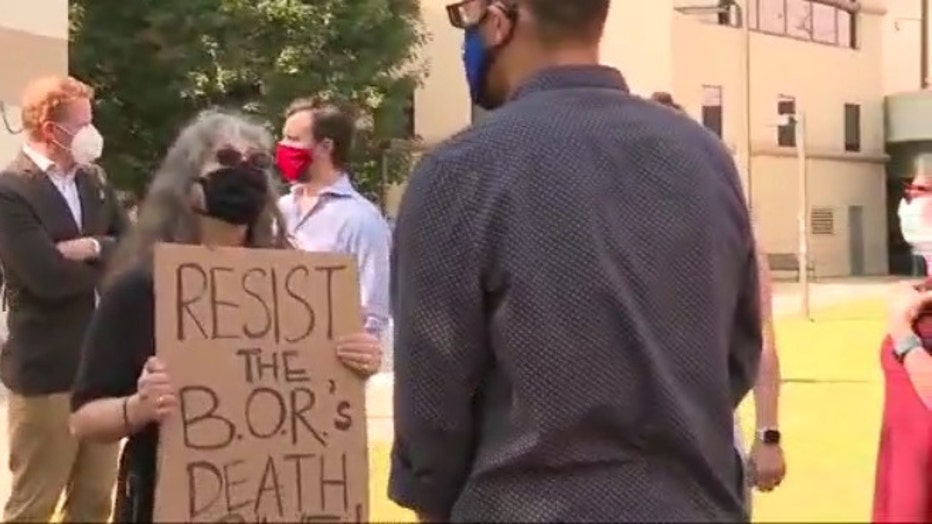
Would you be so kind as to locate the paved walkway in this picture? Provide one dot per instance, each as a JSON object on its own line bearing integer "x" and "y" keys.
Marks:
{"x": 379, "y": 389}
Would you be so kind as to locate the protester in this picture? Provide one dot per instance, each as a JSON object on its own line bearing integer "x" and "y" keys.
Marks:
{"x": 214, "y": 188}
{"x": 59, "y": 221}
{"x": 903, "y": 485}
{"x": 324, "y": 212}
{"x": 766, "y": 466}
{"x": 575, "y": 293}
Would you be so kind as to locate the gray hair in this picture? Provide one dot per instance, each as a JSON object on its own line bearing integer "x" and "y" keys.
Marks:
{"x": 166, "y": 214}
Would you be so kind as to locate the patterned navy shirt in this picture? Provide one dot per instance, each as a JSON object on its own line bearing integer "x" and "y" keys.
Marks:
{"x": 576, "y": 303}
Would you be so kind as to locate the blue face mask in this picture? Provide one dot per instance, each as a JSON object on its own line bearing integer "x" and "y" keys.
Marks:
{"x": 475, "y": 62}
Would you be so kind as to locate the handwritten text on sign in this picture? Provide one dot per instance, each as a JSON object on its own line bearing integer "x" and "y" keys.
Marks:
{"x": 271, "y": 426}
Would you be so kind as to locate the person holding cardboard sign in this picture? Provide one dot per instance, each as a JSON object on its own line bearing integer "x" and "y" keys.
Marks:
{"x": 213, "y": 189}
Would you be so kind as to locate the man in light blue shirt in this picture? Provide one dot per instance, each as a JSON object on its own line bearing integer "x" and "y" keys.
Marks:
{"x": 324, "y": 213}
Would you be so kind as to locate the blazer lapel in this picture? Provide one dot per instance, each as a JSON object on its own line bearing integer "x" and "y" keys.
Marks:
{"x": 92, "y": 197}
{"x": 45, "y": 198}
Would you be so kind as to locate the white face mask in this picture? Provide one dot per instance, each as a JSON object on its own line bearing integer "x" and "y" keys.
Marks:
{"x": 87, "y": 145}
{"x": 916, "y": 223}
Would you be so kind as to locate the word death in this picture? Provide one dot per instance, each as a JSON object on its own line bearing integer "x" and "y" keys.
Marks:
{"x": 314, "y": 485}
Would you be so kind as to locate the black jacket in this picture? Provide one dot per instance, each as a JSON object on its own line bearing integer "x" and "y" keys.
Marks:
{"x": 50, "y": 299}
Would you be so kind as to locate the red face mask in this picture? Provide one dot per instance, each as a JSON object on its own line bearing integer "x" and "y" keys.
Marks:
{"x": 293, "y": 161}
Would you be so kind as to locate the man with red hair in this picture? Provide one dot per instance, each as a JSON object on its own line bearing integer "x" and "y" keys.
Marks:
{"x": 59, "y": 221}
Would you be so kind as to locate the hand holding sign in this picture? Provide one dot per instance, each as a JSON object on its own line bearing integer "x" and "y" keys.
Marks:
{"x": 155, "y": 394}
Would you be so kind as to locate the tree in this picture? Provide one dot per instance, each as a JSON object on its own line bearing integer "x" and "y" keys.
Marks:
{"x": 155, "y": 63}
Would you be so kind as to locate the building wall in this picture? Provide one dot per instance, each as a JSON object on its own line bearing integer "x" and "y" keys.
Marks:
{"x": 33, "y": 43}
{"x": 709, "y": 54}
{"x": 659, "y": 48}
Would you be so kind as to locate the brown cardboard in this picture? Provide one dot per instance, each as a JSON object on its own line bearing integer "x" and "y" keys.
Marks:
{"x": 290, "y": 441}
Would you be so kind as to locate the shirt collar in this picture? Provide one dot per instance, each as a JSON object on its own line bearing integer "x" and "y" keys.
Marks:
{"x": 572, "y": 76}
{"x": 342, "y": 187}
{"x": 44, "y": 163}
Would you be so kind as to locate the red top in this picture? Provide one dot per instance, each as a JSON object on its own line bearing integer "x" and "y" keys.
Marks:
{"x": 903, "y": 487}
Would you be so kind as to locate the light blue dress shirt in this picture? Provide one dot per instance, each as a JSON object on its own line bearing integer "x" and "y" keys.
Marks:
{"x": 343, "y": 221}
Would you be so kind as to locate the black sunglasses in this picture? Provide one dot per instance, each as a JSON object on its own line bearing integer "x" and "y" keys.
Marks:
{"x": 230, "y": 157}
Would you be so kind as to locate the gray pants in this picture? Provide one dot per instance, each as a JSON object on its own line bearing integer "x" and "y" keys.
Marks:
{"x": 746, "y": 482}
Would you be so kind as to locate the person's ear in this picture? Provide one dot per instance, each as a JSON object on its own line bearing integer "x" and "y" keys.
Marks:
{"x": 498, "y": 26}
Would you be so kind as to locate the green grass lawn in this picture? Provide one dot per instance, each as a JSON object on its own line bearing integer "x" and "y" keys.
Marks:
{"x": 830, "y": 415}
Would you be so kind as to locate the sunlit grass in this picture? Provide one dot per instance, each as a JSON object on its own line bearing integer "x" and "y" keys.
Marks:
{"x": 830, "y": 413}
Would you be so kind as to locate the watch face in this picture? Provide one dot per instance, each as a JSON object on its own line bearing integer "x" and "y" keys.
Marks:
{"x": 770, "y": 436}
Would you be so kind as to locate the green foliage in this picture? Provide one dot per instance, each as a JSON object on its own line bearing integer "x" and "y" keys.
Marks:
{"x": 155, "y": 63}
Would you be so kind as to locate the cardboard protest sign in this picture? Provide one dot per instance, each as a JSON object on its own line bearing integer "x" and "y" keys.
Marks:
{"x": 271, "y": 427}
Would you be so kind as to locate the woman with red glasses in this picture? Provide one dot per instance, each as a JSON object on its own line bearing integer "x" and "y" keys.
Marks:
{"x": 903, "y": 486}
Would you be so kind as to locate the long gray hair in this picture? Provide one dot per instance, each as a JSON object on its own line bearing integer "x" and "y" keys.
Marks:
{"x": 166, "y": 214}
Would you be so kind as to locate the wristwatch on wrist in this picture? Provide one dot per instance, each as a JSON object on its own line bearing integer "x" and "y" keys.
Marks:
{"x": 769, "y": 436}
{"x": 905, "y": 345}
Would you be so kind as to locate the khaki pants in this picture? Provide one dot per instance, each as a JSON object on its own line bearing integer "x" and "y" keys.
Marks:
{"x": 46, "y": 461}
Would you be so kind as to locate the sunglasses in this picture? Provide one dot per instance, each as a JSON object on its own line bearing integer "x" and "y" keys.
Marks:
{"x": 467, "y": 14}
{"x": 230, "y": 157}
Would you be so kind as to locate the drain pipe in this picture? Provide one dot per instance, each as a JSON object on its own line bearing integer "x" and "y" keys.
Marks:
{"x": 924, "y": 44}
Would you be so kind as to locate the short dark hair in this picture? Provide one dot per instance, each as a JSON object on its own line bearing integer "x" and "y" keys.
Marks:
{"x": 333, "y": 121}
{"x": 569, "y": 20}
{"x": 665, "y": 99}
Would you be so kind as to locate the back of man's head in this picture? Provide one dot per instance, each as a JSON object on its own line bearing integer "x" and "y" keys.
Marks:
{"x": 569, "y": 21}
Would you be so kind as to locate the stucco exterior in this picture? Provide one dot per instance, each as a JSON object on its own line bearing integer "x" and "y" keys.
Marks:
{"x": 33, "y": 43}
{"x": 659, "y": 48}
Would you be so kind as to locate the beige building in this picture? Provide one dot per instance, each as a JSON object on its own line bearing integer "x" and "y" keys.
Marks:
{"x": 33, "y": 42}
{"x": 822, "y": 62}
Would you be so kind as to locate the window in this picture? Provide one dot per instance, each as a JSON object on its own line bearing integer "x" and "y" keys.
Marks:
{"x": 805, "y": 20}
{"x": 408, "y": 115}
{"x": 852, "y": 127}
{"x": 712, "y": 108}
{"x": 822, "y": 221}
{"x": 786, "y": 134}
{"x": 772, "y": 16}
{"x": 799, "y": 19}
{"x": 824, "y": 24}
{"x": 847, "y": 30}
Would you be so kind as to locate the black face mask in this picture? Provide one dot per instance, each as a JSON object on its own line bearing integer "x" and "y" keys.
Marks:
{"x": 236, "y": 195}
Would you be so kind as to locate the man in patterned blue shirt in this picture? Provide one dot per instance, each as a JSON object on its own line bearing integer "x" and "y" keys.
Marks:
{"x": 575, "y": 293}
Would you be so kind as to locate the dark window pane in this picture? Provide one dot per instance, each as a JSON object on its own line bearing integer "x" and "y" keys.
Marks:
{"x": 712, "y": 111}
{"x": 409, "y": 110}
{"x": 799, "y": 18}
{"x": 847, "y": 34}
{"x": 786, "y": 134}
{"x": 852, "y": 127}
{"x": 772, "y": 14}
{"x": 824, "y": 24}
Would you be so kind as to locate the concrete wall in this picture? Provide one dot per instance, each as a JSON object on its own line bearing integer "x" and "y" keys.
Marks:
{"x": 33, "y": 43}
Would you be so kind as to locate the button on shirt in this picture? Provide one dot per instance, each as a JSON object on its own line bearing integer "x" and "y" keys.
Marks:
{"x": 343, "y": 221}
{"x": 63, "y": 181}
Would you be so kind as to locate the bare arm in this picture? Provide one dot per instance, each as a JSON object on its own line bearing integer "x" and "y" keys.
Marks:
{"x": 103, "y": 419}
{"x": 767, "y": 386}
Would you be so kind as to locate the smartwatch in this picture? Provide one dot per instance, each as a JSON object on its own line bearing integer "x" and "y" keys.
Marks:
{"x": 769, "y": 436}
{"x": 905, "y": 345}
